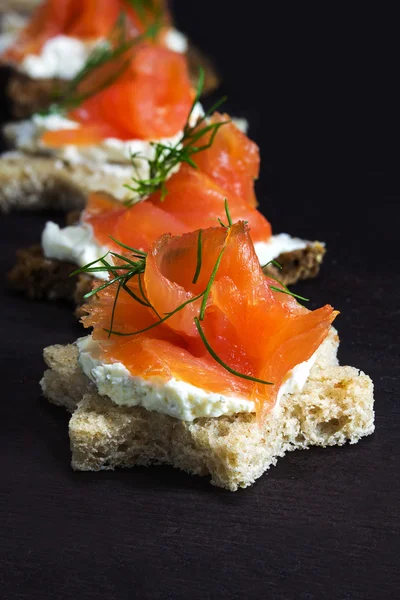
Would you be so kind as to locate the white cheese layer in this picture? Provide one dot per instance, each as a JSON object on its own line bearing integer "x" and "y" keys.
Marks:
{"x": 175, "y": 397}
{"x": 276, "y": 245}
{"x": 73, "y": 244}
{"x": 241, "y": 123}
{"x": 26, "y": 136}
{"x": 114, "y": 151}
{"x": 63, "y": 56}
{"x": 176, "y": 41}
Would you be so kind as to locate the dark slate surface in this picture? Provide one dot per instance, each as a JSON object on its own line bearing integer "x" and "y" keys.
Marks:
{"x": 319, "y": 90}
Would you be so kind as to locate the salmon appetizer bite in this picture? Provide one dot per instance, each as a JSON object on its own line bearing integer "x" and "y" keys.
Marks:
{"x": 199, "y": 360}
{"x": 128, "y": 95}
{"x": 35, "y": 47}
{"x": 203, "y": 303}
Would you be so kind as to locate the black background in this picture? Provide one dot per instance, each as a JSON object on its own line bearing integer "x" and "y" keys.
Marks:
{"x": 319, "y": 88}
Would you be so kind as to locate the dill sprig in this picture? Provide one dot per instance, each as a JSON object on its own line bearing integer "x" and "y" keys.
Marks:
{"x": 118, "y": 44}
{"x": 141, "y": 7}
{"x": 228, "y": 216}
{"x": 217, "y": 358}
{"x": 129, "y": 269}
{"x": 272, "y": 262}
{"x": 167, "y": 157}
{"x": 284, "y": 289}
{"x": 209, "y": 284}
{"x": 199, "y": 256}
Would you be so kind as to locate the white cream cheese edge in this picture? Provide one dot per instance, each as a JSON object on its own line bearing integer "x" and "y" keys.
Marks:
{"x": 176, "y": 398}
{"x": 276, "y": 245}
{"x": 74, "y": 244}
{"x": 50, "y": 63}
{"x": 26, "y": 135}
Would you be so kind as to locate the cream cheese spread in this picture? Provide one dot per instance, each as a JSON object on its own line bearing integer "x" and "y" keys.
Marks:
{"x": 26, "y": 136}
{"x": 276, "y": 245}
{"x": 176, "y": 41}
{"x": 61, "y": 57}
{"x": 174, "y": 397}
{"x": 73, "y": 244}
{"x": 51, "y": 62}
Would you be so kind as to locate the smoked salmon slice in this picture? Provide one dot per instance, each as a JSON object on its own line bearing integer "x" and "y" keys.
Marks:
{"x": 232, "y": 160}
{"x": 259, "y": 333}
{"x": 150, "y": 100}
{"x": 195, "y": 197}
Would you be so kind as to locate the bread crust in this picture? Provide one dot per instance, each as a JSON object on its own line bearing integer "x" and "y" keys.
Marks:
{"x": 41, "y": 278}
{"x": 34, "y": 182}
{"x": 27, "y": 96}
{"x": 335, "y": 406}
{"x": 304, "y": 263}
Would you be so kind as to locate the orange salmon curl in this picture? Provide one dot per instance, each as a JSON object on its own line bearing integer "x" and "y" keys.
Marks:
{"x": 195, "y": 196}
{"x": 150, "y": 100}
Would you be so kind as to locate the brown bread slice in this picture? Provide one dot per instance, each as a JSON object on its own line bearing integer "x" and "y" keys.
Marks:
{"x": 304, "y": 263}
{"x": 34, "y": 182}
{"x": 335, "y": 406}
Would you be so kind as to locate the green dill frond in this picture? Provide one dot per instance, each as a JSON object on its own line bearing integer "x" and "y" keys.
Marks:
{"x": 143, "y": 7}
{"x": 209, "y": 284}
{"x": 272, "y": 262}
{"x": 285, "y": 290}
{"x": 166, "y": 158}
{"x": 221, "y": 362}
{"x": 228, "y": 215}
{"x": 199, "y": 256}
